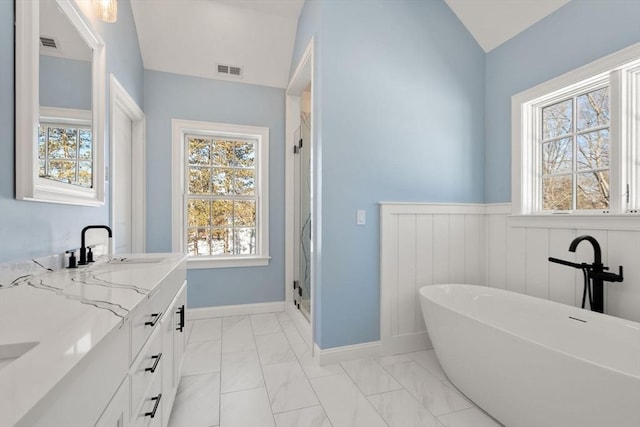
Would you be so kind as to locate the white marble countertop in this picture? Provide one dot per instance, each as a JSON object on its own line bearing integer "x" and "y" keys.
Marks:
{"x": 67, "y": 313}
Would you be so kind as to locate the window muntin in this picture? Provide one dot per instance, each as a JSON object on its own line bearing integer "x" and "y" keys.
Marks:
{"x": 575, "y": 145}
{"x": 65, "y": 153}
{"x": 222, "y": 203}
{"x": 237, "y": 240}
{"x": 620, "y": 71}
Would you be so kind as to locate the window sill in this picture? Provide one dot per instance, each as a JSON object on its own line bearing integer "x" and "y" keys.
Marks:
{"x": 627, "y": 221}
{"x": 194, "y": 263}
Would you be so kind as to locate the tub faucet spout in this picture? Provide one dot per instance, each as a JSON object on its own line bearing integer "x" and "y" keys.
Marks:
{"x": 594, "y": 274}
{"x": 597, "y": 253}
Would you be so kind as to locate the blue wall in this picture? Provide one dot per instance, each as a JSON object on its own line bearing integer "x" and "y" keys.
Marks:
{"x": 577, "y": 34}
{"x": 172, "y": 96}
{"x": 401, "y": 93}
{"x": 65, "y": 83}
{"x": 31, "y": 229}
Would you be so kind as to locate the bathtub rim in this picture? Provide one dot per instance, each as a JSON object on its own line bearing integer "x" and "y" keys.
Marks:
{"x": 519, "y": 295}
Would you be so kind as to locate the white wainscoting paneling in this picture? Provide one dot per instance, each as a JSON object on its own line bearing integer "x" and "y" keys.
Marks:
{"x": 424, "y": 244}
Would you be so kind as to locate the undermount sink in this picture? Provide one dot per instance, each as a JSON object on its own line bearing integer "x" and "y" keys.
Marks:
{"x": 11, "y": 352}
{"x": 136, "y": 260}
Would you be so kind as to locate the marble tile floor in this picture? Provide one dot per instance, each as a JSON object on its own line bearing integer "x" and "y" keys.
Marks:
{"x": 256, "y": 371}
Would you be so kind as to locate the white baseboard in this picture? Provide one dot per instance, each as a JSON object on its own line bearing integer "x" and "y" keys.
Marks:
{"x": 234, "y": 310}
{"x": 347, "y": 352}
{"x": 406, "y": 343}
{"x": 393, "y": 345}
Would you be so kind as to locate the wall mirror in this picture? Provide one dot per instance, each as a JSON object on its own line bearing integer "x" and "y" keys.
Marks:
{"x": 59, "y": 105}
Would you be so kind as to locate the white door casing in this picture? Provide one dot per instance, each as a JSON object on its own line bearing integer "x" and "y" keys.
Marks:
{"x": 127, "y": 172}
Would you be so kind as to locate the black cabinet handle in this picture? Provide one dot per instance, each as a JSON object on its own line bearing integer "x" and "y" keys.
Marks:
{"x": 156, "y": 317}
{"x": 155, "y": 407}
{"x": 181, "y": 321}
{"x": 155, "y": 364}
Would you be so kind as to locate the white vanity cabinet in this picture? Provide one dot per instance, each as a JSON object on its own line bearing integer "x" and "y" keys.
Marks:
{"x": 117, "y": 414}
{"x": 154, "y": 369}
{"x": 129, "y": 376}
{"x": 173, "y": 347}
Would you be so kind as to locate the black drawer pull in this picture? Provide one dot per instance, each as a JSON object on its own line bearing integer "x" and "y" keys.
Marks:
{"x": 181, "y": 321}
{"x": 155, "y": 364}
{"x": 156, "y": 317}
{"x": 155, "y": 407}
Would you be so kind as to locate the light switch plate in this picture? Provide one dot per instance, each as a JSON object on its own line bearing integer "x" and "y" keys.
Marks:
{"x": 361, "y": 217}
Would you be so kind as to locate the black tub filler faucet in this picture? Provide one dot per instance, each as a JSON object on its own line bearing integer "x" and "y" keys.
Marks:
{"x": 594, "y": 274}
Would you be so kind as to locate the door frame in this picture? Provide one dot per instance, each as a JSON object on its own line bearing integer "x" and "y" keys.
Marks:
{"x": 120, "y": 99}
{"x": 302, "y": 77}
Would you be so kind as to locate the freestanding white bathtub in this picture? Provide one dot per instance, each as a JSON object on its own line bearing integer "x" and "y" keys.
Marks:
{"x": 530, "y": 362}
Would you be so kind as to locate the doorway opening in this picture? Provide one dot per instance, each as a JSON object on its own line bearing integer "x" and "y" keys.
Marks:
{"x": 302, "y": 238}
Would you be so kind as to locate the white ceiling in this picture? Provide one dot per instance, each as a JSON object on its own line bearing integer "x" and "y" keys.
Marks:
{"x": 192, "y": 37}
{"x": 493, "y": 22}
{"x": 55, "y": 25}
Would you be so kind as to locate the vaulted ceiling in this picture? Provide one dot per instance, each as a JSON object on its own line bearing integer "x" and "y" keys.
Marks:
{"x": 194, "y": 37}
{"x": 493, "y": 22}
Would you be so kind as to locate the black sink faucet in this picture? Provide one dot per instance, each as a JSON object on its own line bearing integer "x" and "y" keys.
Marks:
{"x": 83, "y": 247}
{"x": 594, "y": 274}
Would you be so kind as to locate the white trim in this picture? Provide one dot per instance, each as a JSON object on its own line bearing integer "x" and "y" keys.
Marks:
{"x": 205, "y": 262}
{"x": 522, "y": 181}
{"x": 302, "y": 77}
{"x": 433, "y": 208}
{"x": 332, "y": 355}
{"x": 29, "y": 186}
{"x": 406, "y": 343}
{"x": 628, "y": 222}
{"x": 498, "y": 208}
{"x": 120, "y": 98}
{"x": 234, "y": 310}
{"x": 71, "y": 116}
{"x": 182, "y": 127}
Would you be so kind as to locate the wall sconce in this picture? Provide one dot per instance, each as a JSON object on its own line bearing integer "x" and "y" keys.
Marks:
{"x": 107, "y": 10}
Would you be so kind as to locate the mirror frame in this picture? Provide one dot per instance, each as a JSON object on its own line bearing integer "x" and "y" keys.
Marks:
{"x": 29, "y": 185}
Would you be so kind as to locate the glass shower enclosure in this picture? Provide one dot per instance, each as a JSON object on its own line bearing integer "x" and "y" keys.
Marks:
{"x": 302, "y": 174}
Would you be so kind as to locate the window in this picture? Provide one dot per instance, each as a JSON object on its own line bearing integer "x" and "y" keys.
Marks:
{"x": 573, "y": 137}
{"x": 65, "y": 153}
{"x": 220, "y": 178}
{"x": 575, "y": 140}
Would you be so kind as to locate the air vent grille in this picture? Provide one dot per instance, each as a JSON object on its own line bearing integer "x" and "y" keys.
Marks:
{"x": 48, "y": 42}
{"x": 230, "y": 70}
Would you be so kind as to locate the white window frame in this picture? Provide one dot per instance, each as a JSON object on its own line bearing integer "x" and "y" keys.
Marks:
{"x": 54, "y": 116}
{"x": 622, "y": 72}
{"x": 182, "y": 128}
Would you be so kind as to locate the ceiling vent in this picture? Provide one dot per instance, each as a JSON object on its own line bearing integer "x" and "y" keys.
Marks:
{"x": 48, "y": 43}
{"x": 229, "y": 70}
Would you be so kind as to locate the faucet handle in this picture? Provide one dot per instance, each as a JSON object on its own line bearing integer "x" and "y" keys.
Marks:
{"x": 72, "y": 258}
{"x": 612, "y": 277}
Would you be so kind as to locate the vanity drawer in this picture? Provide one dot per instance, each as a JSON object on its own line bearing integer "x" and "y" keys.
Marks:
{"x": 144, "y": 322}
{"x": 146, "y": 317}
{"x": 148, "y": 366}
{"x": 149, "y": 414}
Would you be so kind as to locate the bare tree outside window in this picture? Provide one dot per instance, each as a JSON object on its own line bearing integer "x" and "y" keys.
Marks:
{"x": 575, "y": 152}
